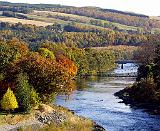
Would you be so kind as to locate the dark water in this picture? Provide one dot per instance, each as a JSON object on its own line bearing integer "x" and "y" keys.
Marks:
{"x": 94, "y": 99}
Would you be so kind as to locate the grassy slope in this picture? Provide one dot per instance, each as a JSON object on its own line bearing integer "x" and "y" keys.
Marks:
{"x": 24, "y": 21}
{"x": 40, "y": 18}
{"x": 81, "y": 19}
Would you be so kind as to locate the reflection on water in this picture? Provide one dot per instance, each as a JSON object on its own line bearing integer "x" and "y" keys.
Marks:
{"x": 127, "y": 68}
{"x": 94, "y": 99}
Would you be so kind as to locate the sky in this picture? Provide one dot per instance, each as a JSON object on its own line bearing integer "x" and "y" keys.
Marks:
{"x": 147, "y": 7}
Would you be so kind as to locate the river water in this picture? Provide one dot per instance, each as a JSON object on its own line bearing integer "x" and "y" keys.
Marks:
{"x": 94, "y": 99}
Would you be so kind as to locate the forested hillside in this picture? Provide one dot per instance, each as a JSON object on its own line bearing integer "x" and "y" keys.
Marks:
{"x": 70, "y": 35}
{"x": 105, "y": 18}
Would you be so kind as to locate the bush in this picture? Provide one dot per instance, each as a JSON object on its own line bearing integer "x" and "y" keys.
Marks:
{"x": 48, "y": 98}
{"x": 35, "y": 100}
{"x": 9, "y": 101}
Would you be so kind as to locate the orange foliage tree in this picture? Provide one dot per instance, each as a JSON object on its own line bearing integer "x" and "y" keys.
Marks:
{"x": 67, "y": 64}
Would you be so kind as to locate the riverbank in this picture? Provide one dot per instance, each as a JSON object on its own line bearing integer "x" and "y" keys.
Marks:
{"x": 126, "y": 95}
{"x": 48, "y": 117}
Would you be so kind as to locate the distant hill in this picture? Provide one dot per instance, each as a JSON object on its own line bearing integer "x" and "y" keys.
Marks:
{"x": 74, "y": 26}
{"x": 95, "y": 16}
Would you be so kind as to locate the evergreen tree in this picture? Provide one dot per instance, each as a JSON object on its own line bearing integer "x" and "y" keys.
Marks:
{"x": 9, "y": 101}
{"x": 23, "y": 92}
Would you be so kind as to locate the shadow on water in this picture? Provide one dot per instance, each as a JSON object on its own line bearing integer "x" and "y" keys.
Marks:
{"x": 95, "y": 99}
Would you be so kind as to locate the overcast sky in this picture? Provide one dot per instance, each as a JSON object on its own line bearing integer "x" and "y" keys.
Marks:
{"x": 148, "y": 7}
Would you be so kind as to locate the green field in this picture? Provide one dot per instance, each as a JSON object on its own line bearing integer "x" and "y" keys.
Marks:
{"x": 42, "y": 15}
{"x": 48, "y": 18}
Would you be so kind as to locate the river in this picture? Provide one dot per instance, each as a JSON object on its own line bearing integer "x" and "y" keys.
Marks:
{"x": 94, "y": 99}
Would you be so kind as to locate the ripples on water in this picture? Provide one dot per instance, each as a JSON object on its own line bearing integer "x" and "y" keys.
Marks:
{"x": 97, "y": 101}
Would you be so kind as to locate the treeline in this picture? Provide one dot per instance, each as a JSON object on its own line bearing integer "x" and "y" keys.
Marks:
{"x": 51, "y": 6}
{"x": 89, "y": 61}
{"x": 26, "y": 8}
{"x": 81, "y": 39}
{"x": 34, "y": 6}
{"x": 125, "y": 13}
{"x": 121, "y": 18}
{"x": 121, "y": 52}
{"x": 18, "y": 9}
{"x": 28, "y": 78}
{"x": 99, "y": 25}
{"x": 72, "y": 35}
{"x": 13, "y": 14}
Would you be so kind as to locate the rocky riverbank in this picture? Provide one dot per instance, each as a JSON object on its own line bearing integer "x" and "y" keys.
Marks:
{"x": 150, "y": 107}
{"x": 51, "y": 117}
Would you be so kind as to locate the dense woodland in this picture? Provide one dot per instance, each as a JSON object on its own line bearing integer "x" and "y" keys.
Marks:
{"x": 71, "y": 35}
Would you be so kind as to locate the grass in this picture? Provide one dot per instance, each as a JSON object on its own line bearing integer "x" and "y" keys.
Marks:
{"x": 2, "y": 119}
{"x": 44, "y": 19}
{"x": 24, "y": 21}
{"x": 42, "y": 15}
{"x": 14, "y": 118}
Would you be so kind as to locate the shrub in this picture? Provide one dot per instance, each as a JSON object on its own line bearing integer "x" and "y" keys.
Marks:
{"x": 48, "y": 98}
{"x": 34, "y": 97}
{"x": 9, "y": 101}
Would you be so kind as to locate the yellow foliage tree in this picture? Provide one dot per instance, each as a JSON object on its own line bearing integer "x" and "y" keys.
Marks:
{"x": 9, "y": 101}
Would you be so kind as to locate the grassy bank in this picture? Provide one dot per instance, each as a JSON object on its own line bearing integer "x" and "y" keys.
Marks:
{"x": 47, "y": 118}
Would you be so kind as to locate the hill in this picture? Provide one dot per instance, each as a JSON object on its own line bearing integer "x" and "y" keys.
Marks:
{"x": 105, "y": 18}
{"x": 75, "y": 26}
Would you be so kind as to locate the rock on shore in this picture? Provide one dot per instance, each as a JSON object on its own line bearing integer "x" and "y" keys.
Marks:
{"x": 59, "y": 115}
{"x": 50, "y": 117}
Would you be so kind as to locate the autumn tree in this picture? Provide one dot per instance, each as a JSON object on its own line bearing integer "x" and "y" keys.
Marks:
{"x": 68, "y": 65}
{"x": 9, "y": 101}
{"x": 11, "y": 50}
{"x": 44, "y": 74}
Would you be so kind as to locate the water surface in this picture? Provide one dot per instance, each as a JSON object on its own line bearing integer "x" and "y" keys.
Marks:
{"x": 95, "y": 99}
